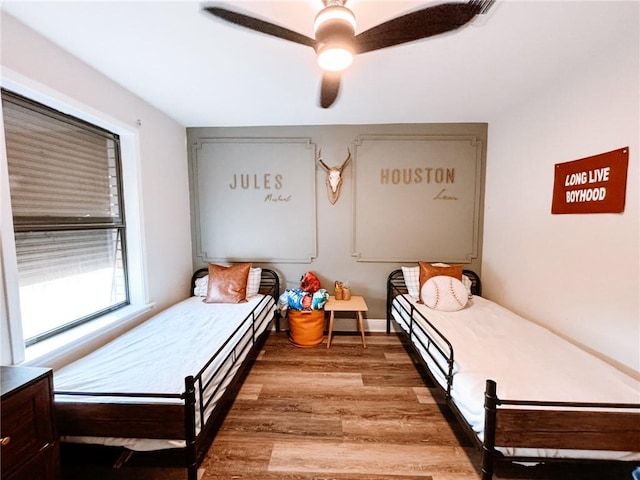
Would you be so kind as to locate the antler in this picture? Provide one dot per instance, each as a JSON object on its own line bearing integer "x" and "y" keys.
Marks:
{"x": 344, "y": 164}
{"x": 321, "y": 162}
{"x": 328, "y": 168}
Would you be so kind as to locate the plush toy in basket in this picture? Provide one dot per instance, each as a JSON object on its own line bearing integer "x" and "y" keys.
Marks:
{"x": 304, "y": 307}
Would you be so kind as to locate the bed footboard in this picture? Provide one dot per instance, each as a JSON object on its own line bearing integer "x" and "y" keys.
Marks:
{"x": 127, "y": 419}
{"x": 555, "y": 425}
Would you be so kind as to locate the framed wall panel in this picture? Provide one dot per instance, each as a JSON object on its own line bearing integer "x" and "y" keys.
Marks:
{"x": 262, "y": 187}
{"x": 417, "y": 197}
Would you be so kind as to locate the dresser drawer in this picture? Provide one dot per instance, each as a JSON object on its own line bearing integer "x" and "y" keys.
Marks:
{"x": 27, "y": 428}
{"x": 42, "y": 467}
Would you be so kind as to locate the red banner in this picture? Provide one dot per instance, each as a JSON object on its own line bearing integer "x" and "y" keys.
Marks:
{"x": 595, "y": 184}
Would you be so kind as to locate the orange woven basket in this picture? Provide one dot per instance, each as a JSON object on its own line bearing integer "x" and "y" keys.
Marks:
{"x": 306, "y": 327}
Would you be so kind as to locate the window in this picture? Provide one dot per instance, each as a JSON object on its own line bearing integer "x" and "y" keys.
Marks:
{"x": 68, "y": 214}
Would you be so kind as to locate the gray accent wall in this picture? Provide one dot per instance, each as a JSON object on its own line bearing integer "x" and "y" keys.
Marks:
{"x": 409, "y": 192}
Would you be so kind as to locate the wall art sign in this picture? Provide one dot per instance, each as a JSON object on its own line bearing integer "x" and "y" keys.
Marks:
{"x": 417, "y": 196}
{"x": 594, "y": 184}
{"x": 257, "y": 186}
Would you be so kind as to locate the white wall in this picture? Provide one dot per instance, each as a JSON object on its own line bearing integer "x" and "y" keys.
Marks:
{"x": 576, "y": 274}
{"x": 32, "y": 63}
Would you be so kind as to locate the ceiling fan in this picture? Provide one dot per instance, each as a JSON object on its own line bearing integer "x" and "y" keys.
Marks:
{"x": 336, "y": 42}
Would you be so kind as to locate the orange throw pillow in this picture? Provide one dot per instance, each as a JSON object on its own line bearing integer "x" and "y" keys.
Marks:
{"x": 429, "y": 270}
{"x": 227, "y": 284}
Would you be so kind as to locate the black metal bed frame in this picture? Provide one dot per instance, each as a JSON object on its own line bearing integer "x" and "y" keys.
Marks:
{"x": 503, "y": 425}
{"x": 195, "y": 386}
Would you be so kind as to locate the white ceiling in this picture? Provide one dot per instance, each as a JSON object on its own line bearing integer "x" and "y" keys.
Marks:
{"x": 204, "y": 72}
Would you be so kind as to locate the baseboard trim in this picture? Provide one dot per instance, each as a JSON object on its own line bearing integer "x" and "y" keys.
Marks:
{"x": 373, "y": 325}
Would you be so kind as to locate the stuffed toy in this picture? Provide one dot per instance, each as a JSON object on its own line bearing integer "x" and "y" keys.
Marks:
{"x": 310, "y": 283}
{"x": 319, "y": 299}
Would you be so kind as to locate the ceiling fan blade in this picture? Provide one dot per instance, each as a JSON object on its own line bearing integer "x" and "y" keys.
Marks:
{"x": 330, "y": 88}
{"x": 261, "y": 26}
{"x": 420, "y": 24}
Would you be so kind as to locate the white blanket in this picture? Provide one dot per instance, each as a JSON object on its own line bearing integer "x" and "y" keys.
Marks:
{"x": 156, "y": 356}
{"x": 527, "y": 361}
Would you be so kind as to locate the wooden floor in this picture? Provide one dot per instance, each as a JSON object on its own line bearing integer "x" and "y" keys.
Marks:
{"x": 330, "y": 414}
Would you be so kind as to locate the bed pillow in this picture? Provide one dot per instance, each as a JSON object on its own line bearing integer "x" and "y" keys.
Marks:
{"x": 253, "y": 284}
{"x": 200, "y": 289}
{"x": 468, "y": 283}
{"x": 412, "y": 280}
{"x": 227, "y": 284}
{"x": 429, "y": 270}
{"x": 444, "y": 293}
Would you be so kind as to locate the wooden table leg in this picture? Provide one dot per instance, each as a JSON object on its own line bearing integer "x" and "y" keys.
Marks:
{"x": 361, "y": 327}
{"x": 330, "y": 328}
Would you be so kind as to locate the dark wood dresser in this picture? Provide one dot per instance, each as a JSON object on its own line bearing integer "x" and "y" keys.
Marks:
{"x": 28, "y": 444}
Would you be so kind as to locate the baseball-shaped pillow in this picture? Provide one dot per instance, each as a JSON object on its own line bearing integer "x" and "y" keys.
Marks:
{"x": 444, "y": 293}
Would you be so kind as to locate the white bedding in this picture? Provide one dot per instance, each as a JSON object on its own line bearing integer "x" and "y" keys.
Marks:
{"x": 527, "y": 361}
{"x": 156, "y": 356}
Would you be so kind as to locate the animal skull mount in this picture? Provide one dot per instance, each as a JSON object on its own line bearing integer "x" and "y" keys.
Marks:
{"x": 334, "y": 177}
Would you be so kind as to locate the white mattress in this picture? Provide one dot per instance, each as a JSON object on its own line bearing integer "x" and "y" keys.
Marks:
{"x": 527, "y": 361}
{"x": 156, "y": 356}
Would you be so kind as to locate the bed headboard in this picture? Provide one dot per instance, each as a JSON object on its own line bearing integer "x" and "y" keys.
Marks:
{"x": 269, "y": 281}
{"x": 395, "y": 282}
{"x": 397, "y": 286}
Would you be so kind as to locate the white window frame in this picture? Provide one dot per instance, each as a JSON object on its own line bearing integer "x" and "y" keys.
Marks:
{"x": 54, "y": 350}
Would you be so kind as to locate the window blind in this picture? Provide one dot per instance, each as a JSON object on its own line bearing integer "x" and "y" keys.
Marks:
{"x": 61, "y": 172}
{"x": 66, "y": 199}
{"x": 45, "y": 256}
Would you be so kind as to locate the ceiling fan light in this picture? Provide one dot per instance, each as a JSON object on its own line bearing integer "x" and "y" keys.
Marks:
{"x": 335, "y": 30}
{"x": 335, "y": 59}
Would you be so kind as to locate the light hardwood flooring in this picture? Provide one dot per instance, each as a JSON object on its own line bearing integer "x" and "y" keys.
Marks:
{"x": 344, "y": 413}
